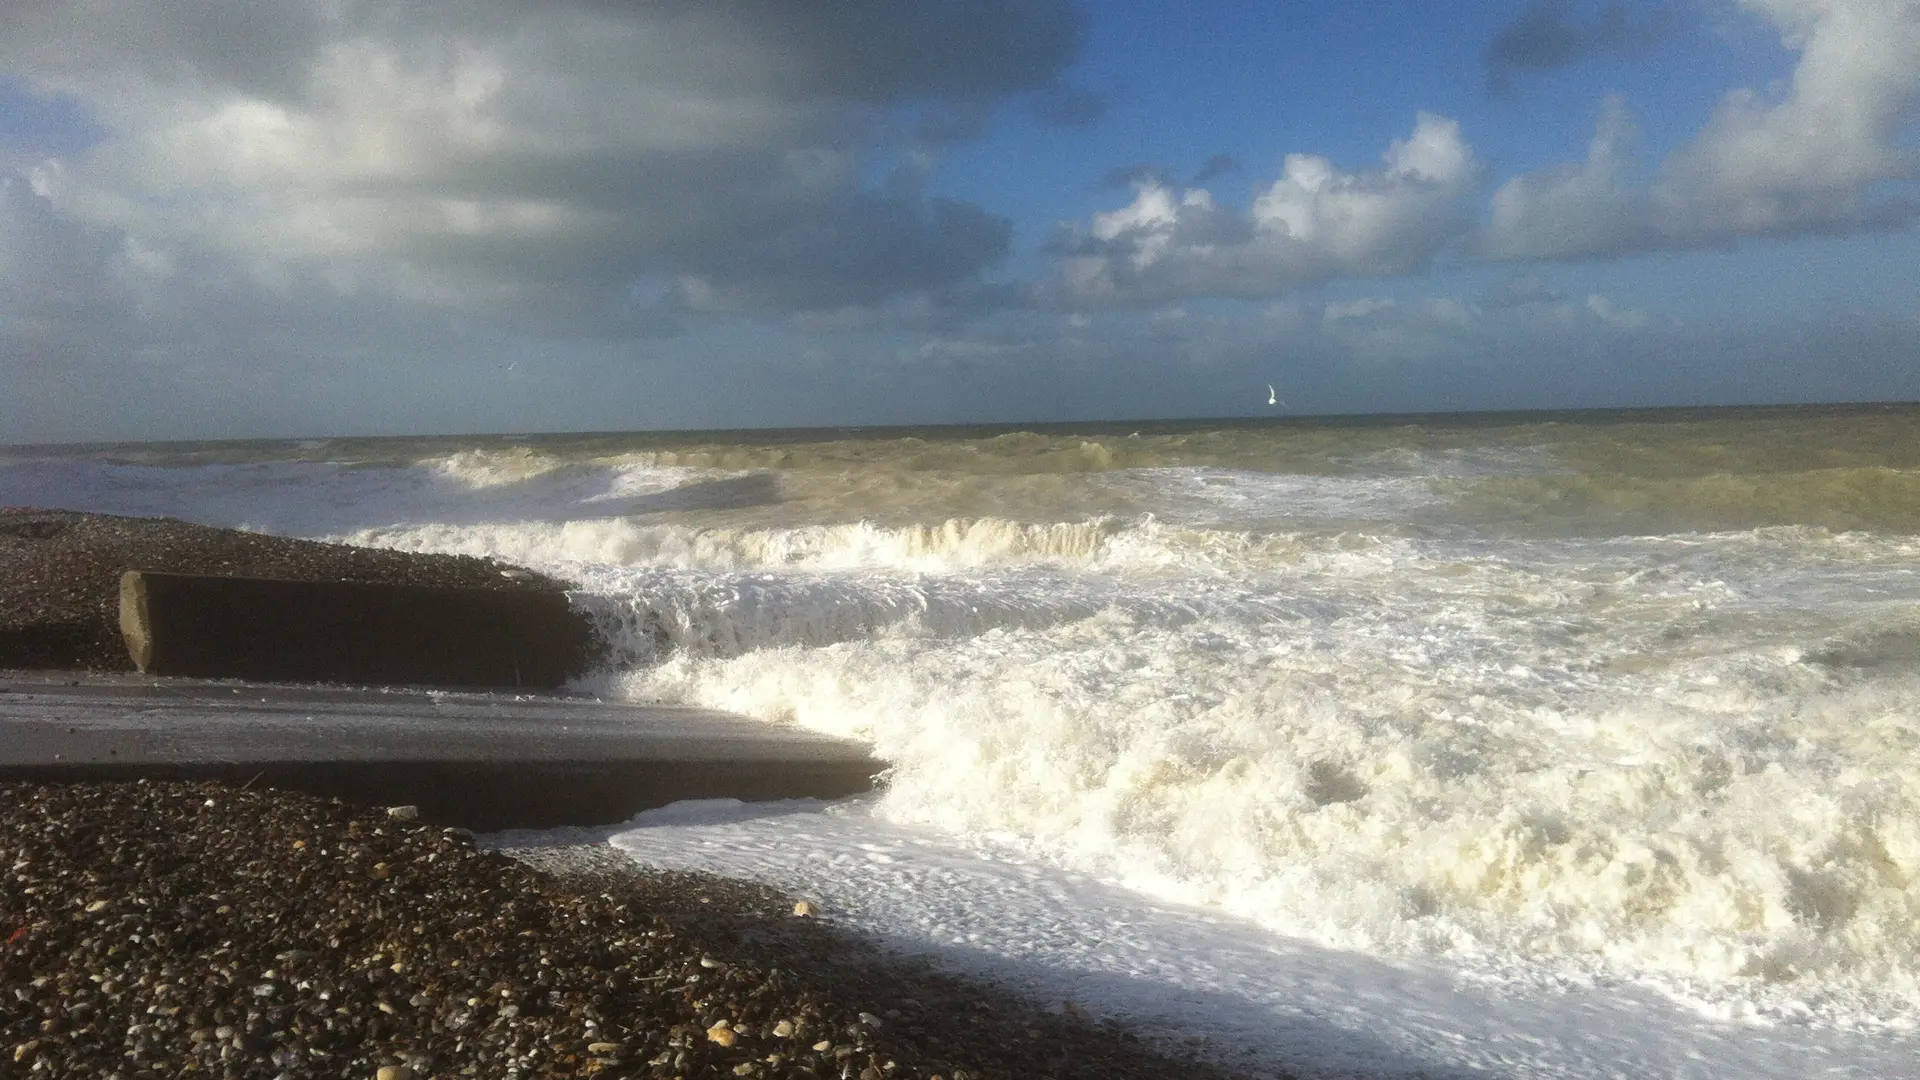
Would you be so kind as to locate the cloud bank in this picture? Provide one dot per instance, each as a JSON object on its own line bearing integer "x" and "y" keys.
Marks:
{"x": 1314, "y": 223}
{"x": 540, "y": 160}
{"x": 1825, "y": 156}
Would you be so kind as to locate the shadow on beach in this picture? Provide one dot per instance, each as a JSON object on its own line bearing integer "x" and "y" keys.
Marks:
{"x": 1207, "y": 1031}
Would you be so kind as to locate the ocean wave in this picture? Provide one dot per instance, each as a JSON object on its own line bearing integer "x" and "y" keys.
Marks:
{"x": 1142, "y": 546}
{"x": 1870, "y": 497}
{"x": 1409, "y": 770}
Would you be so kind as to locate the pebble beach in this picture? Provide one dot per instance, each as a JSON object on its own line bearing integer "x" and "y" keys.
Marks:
{"x": 153, "y": 929}
{"x": 175, "y": 929}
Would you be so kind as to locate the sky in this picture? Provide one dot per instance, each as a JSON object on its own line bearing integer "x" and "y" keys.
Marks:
{"x": 301, "y": 218}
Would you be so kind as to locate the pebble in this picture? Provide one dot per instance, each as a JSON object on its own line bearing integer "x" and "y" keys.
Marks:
{"x": 403, "y": 813}
{"x": 223, "y": 956}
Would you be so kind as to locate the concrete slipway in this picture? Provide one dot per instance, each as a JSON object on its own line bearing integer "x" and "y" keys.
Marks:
{"x": 485, "y": 761}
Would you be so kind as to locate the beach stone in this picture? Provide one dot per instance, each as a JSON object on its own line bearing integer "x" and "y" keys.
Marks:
{"x": 530, "y": 971}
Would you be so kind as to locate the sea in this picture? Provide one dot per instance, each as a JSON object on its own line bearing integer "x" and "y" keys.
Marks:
{"x": 1571, "y": 744}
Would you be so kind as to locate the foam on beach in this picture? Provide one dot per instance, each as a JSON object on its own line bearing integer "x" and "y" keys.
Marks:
{"x": 1196, "y": 979}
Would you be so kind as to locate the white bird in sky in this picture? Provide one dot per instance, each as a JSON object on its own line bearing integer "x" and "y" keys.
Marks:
{"x": 1273, "y": 398}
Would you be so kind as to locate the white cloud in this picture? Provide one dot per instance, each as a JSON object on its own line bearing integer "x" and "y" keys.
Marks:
{"x": 1816, "y": 159}
{"x": 1314, "y": 223}
{"x": 1811, "y": 158}
{"x": 1591, "y": 208}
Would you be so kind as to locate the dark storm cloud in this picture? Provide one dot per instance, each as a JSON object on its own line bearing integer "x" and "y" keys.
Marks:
{"x": 860, "y": 252}
{"x": 1548, "y": 35}
{"x": 853, "y": 50}
{"x": 883, "y": 50}
{"x": 503, "y": 158}
{"x": 1521, "y": 290}
{"x": 1068, "y": 107}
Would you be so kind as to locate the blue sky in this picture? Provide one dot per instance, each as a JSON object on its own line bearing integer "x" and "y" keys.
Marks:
{"x": 296, "y": 218}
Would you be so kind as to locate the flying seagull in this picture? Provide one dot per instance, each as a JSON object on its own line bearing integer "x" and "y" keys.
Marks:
{"x": 1273, "y": 398}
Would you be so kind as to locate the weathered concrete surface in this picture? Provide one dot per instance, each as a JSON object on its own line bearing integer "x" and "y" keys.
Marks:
{"x": 60, "y": 576}
{"x": 349, "y": 631}
{"x": 484, "y": 761}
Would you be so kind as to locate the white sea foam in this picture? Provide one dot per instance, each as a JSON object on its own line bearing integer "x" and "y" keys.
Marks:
{"x": 1263, "y": 1004}
{"x": 1332, "y": 704}
{"x": 1653, "y": 758}
{"x": 1406, "y": 777}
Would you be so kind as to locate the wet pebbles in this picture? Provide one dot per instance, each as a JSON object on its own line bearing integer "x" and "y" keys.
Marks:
{"x": 171, "y": 929}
